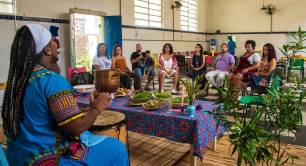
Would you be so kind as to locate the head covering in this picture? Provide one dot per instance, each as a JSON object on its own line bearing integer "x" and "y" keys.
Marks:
{"x": 41, "y": 36}
{"x": 54, "y": 30}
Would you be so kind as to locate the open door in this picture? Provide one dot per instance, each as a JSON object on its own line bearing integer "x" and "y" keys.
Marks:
{"x": 87, "y": 31}
{"x": 113, "y": 32}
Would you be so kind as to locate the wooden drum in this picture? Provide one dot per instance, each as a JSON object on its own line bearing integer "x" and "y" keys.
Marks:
{"x": 111, "y": 123}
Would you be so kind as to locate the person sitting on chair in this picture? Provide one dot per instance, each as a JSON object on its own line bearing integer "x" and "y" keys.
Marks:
{"x": 247, "y": 66}
{"x": 224, "y": 63}
{"x": 197, "y": 63}
{"x": 119, "y": 62}
{"x": 149, "y": 69}
{"x": 101, "y": 60}
{"x": 267, "y": 65}
{"x": 137, "y": 60}
{"x": 168, "y": 67}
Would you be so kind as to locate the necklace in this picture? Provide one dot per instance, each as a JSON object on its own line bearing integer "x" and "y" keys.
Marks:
{"x": 197, "y": 58}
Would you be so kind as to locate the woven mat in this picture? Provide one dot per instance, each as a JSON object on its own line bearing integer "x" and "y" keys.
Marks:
{"x": 148, "y": 150}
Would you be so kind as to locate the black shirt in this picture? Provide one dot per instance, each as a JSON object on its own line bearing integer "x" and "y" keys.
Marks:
{"x": 138, "y": 63}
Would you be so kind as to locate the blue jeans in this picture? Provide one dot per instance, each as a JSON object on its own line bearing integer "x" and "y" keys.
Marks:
{"x": 141, "y": 71}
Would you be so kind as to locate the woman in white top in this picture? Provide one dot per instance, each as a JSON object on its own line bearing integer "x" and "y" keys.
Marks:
{"x": 168, "y": 67}
{"x": 101, "y": 60}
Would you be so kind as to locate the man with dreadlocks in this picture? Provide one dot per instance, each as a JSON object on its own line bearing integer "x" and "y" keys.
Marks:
{"x": 41, "y": 119}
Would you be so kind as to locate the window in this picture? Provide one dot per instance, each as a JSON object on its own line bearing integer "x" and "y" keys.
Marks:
{"x": 189, "y": 15}
{"x": 7, "y": 6}
{"x": 148, "y": 13}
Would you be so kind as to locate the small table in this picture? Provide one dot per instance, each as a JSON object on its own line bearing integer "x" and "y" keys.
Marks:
{"x": 198, "y": 131}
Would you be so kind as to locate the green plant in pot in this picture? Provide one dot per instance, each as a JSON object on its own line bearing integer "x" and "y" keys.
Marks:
{"x": 284, "y": 115}
{"x": 192, "y": 87}
{"x": 253, "y": 141}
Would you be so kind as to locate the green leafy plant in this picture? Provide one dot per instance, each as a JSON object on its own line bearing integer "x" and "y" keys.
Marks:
{"x": 250, "y": 141}
{"x": 256, "y": 143}
{"x": 192, "y": 87}
{"x": 296, "y": 46}
{"x": 284, "y": 115}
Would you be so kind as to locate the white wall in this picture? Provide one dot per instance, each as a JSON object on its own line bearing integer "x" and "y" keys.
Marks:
{"x": 59, "y": 9}
{"x": 56, "y": 9}
{"x": 232, "y": 16}
{"x": 182, "y": 41}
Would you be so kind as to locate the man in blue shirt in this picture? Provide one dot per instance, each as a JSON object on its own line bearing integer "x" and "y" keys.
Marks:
{"x": 232, "y": 46}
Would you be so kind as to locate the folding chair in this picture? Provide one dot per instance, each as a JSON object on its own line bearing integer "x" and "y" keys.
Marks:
{"x": 296, "y": 64}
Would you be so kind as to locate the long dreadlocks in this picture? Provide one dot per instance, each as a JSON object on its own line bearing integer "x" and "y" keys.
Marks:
{"x": 22, "y": 61}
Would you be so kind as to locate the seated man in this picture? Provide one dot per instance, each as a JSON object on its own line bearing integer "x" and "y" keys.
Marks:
{"x": 149, "y": 70}
{"x": 137, "y": 59}
{"x": 41, "y": 120}
{"x": 224, "y": 63}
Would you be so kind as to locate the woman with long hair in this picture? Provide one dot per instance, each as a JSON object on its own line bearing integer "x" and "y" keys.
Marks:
{"x": 101, "y": 60}
{"x": 168, "y": 67}
{"x": 197, "y": 62}
{"x": 267, "y": 66}
{"x": 119, "y": 62}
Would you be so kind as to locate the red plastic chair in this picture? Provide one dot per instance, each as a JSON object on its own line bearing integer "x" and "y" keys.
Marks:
{"x": 71, "y": 71}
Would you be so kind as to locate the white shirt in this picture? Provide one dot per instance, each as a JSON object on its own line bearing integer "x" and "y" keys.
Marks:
{"x": 168, "y": 63}
{"x": 103, "y": 61}
{"x": 255, "y": 57}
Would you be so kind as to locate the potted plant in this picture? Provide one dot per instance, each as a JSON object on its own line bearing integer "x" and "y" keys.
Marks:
{"x": 192, "y": 87}
{"x": 256, "y": 143}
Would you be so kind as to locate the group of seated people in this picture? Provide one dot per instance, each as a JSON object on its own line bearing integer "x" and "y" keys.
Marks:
{"x": 143, "y": 65}
{"x": 252, "y": 68}
{"x": 43, "y": 123}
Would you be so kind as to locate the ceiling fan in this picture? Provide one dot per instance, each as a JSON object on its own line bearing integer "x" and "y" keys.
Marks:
{"x": 176, "y": 4}
{"x": 270, "y": 10}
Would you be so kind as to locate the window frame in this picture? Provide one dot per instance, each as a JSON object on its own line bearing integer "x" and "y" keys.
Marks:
{"x": 12, "y": 3}
{"x": 186, "y": 16}
{"x": 148, "y": 20}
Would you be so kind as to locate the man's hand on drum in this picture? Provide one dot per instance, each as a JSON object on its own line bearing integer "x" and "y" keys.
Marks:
{"x": 101, "y": 101}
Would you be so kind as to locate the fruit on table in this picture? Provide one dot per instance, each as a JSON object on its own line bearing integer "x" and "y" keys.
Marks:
{"x": 152, "y": 104}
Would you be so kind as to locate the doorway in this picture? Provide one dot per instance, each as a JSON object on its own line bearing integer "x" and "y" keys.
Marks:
{"x": 87, "y": 31}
